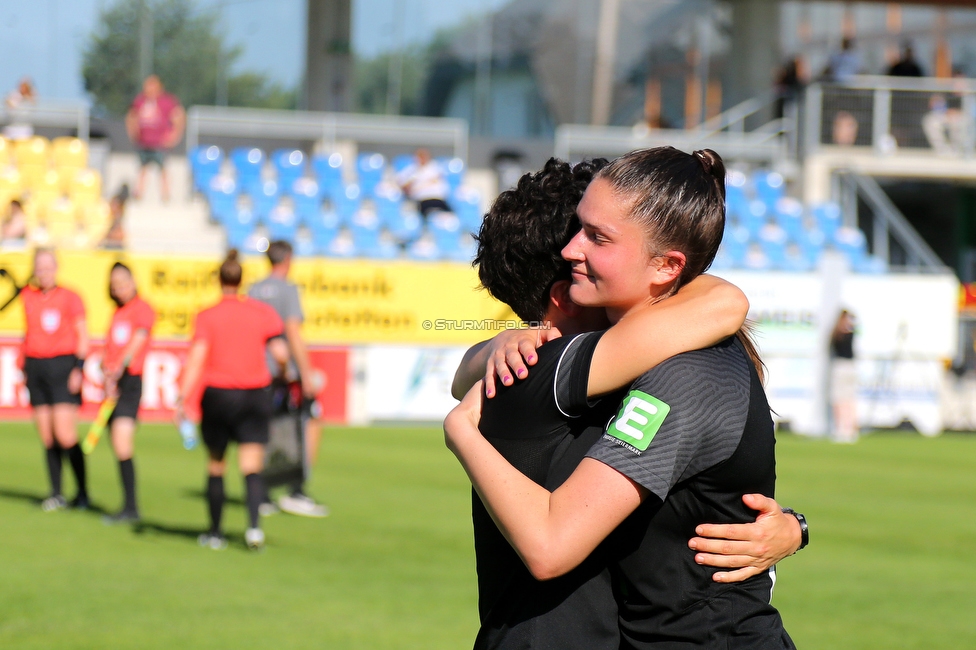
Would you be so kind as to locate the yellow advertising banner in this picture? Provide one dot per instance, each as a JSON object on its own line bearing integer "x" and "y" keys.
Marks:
{"x": 345, "y": 301}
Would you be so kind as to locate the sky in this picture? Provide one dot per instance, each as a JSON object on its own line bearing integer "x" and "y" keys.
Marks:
{"x": 44, "y": 39}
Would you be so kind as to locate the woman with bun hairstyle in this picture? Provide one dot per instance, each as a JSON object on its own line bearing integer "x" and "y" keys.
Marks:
{"x": 228, "y": 352}
{"x": 54, "y": 351}
{"x": 689, "y": 439}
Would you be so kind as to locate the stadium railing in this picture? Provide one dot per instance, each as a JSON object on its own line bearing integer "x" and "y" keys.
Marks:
{"x": 48, "y": 113}
{"x": 329, "y": 127}
{"x": 727, "y": 133}
{"x": 889, "y": 113}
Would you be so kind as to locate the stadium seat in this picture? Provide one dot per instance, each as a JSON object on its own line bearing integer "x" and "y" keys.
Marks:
{"x": 401, "y": 162}
{"x": 445, "y": 228}
{"x": 347, "y": 202}
{"x": 11, "y": 182}
{"x": 85, "y": 186}
{"x": 789, "y": 215}
{"x": 828, "y": 218}
{"x": 385, "y": 248}
{"x": 369, "y": 169}
{"x": 47, "y": 189}
{"x": 453, "y": 170}
{"x": 755, "y": 217}
{"x": 282, "y": 223}
{"x": 795, "y": 260}
{"x": 328, "y": 173}
{"x": 304, "y": 245}
{"x": 851, "y": 242}
{"x": 289, "y": 164}
{"x": 264, "y": 198}
{"x": 365, "y": 227}
{"x": 32, "y": 175}
{"x": 95, "y": 216}
{"x": 205, "y": 163}
{"x": 222, "y": 197}
{"x": 6, "y": 155}
{"x": 389, "y": 204}
{"x": 424, "y": 249}
{"x": 465, "y": 249}
{"x": 755, "y": 259}
{"x": 406, "y": 226}
{"x": 342, "y": 245}
{"x": 34, "y": 151}
{"x": 812, "y": 244}
{"x": 248, "y": 161}
{"x": 69, "y": 152}
{"x": 736, "y": 202}
{"x": 467, "y": 206}
{"x": 770, "y": 186}
{"x": 307, "y": 200}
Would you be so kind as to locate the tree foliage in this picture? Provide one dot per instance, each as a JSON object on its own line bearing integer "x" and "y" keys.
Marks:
{"x": 188, "y": 52}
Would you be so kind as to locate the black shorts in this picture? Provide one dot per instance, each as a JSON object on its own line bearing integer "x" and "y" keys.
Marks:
{"x": 47, "y": 380}
{"x": 130, "y": 394}
{"x": 234, "y": 414}
{"x": 149, "y": 156}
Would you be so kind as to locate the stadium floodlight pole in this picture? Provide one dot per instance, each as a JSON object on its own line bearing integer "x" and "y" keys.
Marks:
{"x": 606, "y": 52}
{"x": 145, "y": 41}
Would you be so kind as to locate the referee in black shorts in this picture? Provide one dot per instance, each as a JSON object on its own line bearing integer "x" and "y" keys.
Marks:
{"x": 228, "y": 351}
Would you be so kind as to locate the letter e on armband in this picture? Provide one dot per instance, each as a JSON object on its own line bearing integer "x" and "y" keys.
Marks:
{"x": 640, "y": 418}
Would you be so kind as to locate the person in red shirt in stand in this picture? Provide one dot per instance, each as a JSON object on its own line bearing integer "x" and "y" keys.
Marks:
{"x": 126, "y": 345}
{"x": 155, "y": 123}
{"x": 54, "y": 351}
{"x": 228, "y": 350}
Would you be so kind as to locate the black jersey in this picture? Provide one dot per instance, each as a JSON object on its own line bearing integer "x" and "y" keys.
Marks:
{"x": 541, "y": 426}
{"x": 697, "y": 433}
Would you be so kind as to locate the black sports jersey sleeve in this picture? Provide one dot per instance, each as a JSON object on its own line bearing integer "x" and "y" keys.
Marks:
{"x": 679, "y": 418}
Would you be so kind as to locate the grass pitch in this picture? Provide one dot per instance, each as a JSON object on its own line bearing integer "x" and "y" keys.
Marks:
{"x": 890, "y": 565}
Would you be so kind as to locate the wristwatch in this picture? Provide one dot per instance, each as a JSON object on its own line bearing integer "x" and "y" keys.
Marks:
{"x": 804, "y": 529}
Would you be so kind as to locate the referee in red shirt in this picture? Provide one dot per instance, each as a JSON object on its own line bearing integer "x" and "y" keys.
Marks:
{"x": 228, "y": 351}
{"x": 54, "y": 351}
{"x": 125, "y": 354}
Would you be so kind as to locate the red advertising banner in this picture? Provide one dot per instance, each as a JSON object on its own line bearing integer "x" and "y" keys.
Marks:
{"x": 160, "y": 377}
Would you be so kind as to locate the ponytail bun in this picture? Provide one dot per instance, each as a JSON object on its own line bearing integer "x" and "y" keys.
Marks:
{"x": 232, "y": 255}
{"x": 713, "y": 165}
{"x": 231, "y": 271}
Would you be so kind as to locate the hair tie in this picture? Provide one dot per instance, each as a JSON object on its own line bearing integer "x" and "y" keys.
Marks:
{"x": 704, "y": 159}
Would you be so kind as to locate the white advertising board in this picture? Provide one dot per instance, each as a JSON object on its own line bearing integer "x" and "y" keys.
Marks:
{"x": 410, "y": 383}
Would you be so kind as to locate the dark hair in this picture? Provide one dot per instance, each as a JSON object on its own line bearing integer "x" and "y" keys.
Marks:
{"x": 524, "y": 232}
{"x": 16, "y": 202}
{"x": 118, "y": 266}
{"x": 678, "y": 199}
{"x": 122, "y": 266}
{"x": 231, "y": 271}
{"x": 279, "y": 251}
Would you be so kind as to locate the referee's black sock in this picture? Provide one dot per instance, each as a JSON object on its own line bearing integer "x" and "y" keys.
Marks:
{"x": 254, "y": 486}
{"x": 53, "y": 456}
{"x": 215, "y": 497}
{"x": 77, "y": 460}
{"x": 128, "y": 473}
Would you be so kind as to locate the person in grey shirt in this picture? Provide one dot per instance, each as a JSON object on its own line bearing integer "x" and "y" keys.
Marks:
{"x": 282, "y": 295}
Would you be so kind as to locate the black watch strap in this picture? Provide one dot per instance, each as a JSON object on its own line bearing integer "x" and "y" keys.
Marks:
{"x": 804, "y": 529}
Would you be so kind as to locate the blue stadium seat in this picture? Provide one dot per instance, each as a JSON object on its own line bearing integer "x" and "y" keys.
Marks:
{"x": 342, "y": 245}
{"x": 289, "y": 165}
{"x": 406, "y": 226}
{"x": 812, "y": 244}
{"x": 755, "y": 217}
{"x": 369, "y": 168}
{"x": 205, "y": 162}
{"x": 851, "y": 242}
{"x": 388, "y": 204}
{"x": 736, "y": 202}
{"x": 324, "y": 226}
{"x": 453, "y": 170}
{"x": 796, "y": 260}
{"x": 248, "y": 161}
{"x": 401, "y": 162}
{"x": 755, "y": 259}
{"x": 282, "y": 223}
{"x": 467, "y": 206}
{"x": 424, "y": 249}
{"x": 383, "y": 249}
{"x": 328, "y": 173}
{"x": 789, "y": 215}
{"x": 828, "y": 216}
{"x": 222, "y": 196}
{"x": 307, "y": 199}
{"x": 723, "y": 260}
{"x": 770, "y": 186}
{"x": 365, "y": 227}
{"x": 347, "y": 202}
{"x": 445, "y": 228}
{"x": 264, "y": 198}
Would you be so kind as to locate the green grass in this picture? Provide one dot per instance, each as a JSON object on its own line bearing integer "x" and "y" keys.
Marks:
{"x": 890, "y": 564}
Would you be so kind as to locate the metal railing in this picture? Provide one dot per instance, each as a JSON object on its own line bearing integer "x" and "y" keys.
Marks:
{"x": 888, "y": 225}
{"x": 328, "y": 127}
{"x": 890, "y": 113}
{"x": 67, "y": 115}
{"x": 725, "y": 133}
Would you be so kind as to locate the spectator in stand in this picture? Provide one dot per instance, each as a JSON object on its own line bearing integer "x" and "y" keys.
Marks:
{"x": 789, "y": 84}
{"x": 20, "y": 99}
{"x": 155, "y": 123}
{"x": 844, "y": 64}
{"x": 906, "y": 66}
{"x": 843, "y": 379}
{"x": 423, "y": 181}
{"x": 946, "y": 124}
{"x": 115, "y": 236}
{"x": 14, "y": 227}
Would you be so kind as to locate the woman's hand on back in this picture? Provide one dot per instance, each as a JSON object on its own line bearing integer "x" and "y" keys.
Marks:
{"x": 749, "y": 549}
{"x": 510, "y": 352}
